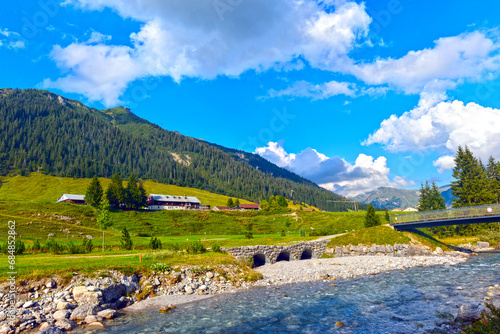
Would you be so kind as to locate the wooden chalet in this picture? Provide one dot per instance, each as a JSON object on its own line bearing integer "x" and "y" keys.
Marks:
{"x": 244, "y": 207}
{"x": 169, "y": 202}
{"x": 73, "y": 199}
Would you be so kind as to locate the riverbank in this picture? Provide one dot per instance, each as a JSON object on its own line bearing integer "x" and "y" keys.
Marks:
{"x": 49, "y": 303}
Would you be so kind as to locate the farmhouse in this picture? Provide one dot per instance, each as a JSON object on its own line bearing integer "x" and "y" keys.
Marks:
{"x": 244, "y": 207}
{"x": 169, "y": 202}
{"x": 73, "y": 199}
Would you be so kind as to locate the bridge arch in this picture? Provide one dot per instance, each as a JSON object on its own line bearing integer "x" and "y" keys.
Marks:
{"x": 307, "y": 254}
{"x": 259, "y": 260}
{"x": 283, "y": 256}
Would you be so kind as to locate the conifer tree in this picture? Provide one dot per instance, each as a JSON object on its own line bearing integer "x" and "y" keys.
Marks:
{"x": 230, "y": 203}
{"x": 371, "y": 218}
{"x": 103, "y": 219}
{"x": 126, "y": 240}
{"x": 236, "y": 202}
{"x": 424, "y": 197}
{"x": 493, "y": 176}
{"x": 436, "y": 200}
{"x": 94, "y": 193}
{"x": 282, "y": 201}
{"x": 143, "y": 196}
{"x": 132, "y": 193}
{"x": 115, "y": 192}
{"x": 387, "y": 218}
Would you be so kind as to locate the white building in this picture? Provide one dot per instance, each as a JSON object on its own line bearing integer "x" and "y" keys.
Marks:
{"x": 169, "y": 202}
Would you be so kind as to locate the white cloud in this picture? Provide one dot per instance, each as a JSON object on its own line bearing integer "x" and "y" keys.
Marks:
{"x": 315, "y": 92}
{"x": 98, "y": 38}
{"x": 193, "y": 39}
{"x": 446, "y": 162}
{"x": 14, "y": 40}
{"x": 467, "y": 56}
{"x": 335, "y": 173}
{"x": 436, "y": 124}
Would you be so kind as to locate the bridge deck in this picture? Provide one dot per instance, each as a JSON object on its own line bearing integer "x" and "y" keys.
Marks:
{"x": 466, "y": 215}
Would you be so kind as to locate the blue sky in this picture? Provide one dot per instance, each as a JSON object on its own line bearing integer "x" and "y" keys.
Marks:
{"x": 352, "y": 95}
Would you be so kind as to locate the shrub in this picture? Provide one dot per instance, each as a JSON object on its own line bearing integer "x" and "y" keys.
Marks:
{"x": 195, "y": 247}
{"x": 19, "y": 247}
{"x": 489, "y": 325}
{"x": 54, "y": 247}
{"x": 75, "y": 249}
{"x": 216, "y": 248}
{"x": 88, "y": 245}
{"x": 160, "y": 267}
{"x": 249, "y": 231}
{"x": 175, "y": 247}
{"x": 36, "y": 246}
{"x": 125, "y": 240}
{"x": 283, "y": 234}
{"x": 155, "y": 243}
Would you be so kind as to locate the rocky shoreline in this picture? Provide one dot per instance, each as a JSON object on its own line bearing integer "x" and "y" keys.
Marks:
{"x": 53, "y": 306}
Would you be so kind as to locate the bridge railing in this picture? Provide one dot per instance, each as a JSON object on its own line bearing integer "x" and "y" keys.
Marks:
{"x": 465, "y": 212}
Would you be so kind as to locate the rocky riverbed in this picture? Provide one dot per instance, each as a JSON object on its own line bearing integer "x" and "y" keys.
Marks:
{"x": 53, "y": 306}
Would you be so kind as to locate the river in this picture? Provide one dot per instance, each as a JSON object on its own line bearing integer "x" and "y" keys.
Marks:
{"x": 408, "y": 301}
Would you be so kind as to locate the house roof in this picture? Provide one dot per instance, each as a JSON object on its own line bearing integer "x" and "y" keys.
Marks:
{"x": 249, "y": 206}
{"x": 175, "y": 199}
{"x": 72, "y": 197}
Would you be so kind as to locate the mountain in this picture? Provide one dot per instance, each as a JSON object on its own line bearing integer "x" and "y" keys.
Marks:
{"x": 42, "y": 131}
{"x": 390, "y": 198}
{"x": 393, "y": 198}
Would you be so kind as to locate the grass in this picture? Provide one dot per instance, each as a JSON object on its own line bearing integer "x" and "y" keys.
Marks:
{"x": 46, "y": 188}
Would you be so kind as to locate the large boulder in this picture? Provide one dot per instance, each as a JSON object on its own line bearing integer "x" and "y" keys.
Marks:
{"x": 83, "y": 295}
{"x": 83, "y": 311}
{"x": 417, "y": 251}
{"x": 52, "y": 330}
{"x": 113, "y": 292}
{"x": 61, "y": 314}
{"x": 131, "y": 283}
{"x": 66, "y": 324}
{"x": 482, "y": 244}
{"x": 471, "y": 312}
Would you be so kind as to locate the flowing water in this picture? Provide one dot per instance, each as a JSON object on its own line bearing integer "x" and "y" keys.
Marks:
{"x": 409, "y": 301}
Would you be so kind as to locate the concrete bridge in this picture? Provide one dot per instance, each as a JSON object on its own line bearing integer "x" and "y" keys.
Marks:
{"x": 262, "y": 255}
{"x": 459, "y": 216}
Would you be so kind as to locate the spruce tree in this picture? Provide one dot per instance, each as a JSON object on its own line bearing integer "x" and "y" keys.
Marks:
{"x": 436, "y": 200}
{"x": 94, "y": 193}
{"x": 371, "y": 218}
{"x": 115, "y": 192}
{"x": 132, "y": 193}
{"x": 236, "y": 201}
{"x": 424, "y": 197}
{"x": 457, "y": 186}
{"x": 103, "y": 219}
{"x": 493, "y": 176}
{"x": 143, "y": 196}
{"x": 126, "y": 240}
{"x": 230, "y": 203}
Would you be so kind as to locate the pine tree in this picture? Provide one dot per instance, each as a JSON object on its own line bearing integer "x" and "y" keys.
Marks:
{"x": 125, "y": 240}
{"x": 457, "y": 186}
{"x": 424, "y": 197}
{"x": 436, "y": 200}
{"x": 493, "y": 176}
{"x": 143, "y": 195}
{"x": 236, "y": 202}
{"x": 94, "y": 193}
{"x": 230, "y": 203}
{"x": 387, "y": 218}
{"x": 115, "y": 192}
{"x": 371, "y": 218}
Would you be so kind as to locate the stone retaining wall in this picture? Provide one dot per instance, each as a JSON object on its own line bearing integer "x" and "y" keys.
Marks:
{"x": 303, "y": 250}
{"x": 396, "y": 250}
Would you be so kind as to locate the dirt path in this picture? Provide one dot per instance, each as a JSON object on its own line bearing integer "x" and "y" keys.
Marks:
{"x": 328, "y": 237}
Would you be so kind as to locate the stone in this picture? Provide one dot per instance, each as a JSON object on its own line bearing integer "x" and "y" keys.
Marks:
{"x": 89, "y": 237}
{"x": 62, "y": 306}
{"x": 82, "y": 311}
{"x": 188, "y": 290}
{"x": 66, "y": 324}
{"x": 51, "y": 330}
{"x": 339, "y": 324}
{"x": 61, "y": 314}
{"x": 482, "y": 244}
{"x": 470, "y": 312}
{"x": 29, "y": 304}
{"x": 93, "y": 318}
{"x": 3, "y": 316}
{"x": 210, "y": 275}
{"x": 202, "y": 288}
{"x": 417, "y": 251}
{"x": 43, "y": 327}
{"x": 95, "y": 325}
{"x": 5, "y": 329}
{"x": 92, "y": 288}
{"x": 51, "y": 284}
{"x": 114, "y": 292}
{"x": 108, "y": 314}
{"x": 439, "y": 251}
{"x": 82, "y": 295}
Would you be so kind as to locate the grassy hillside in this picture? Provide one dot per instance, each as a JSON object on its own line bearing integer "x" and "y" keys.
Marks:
{"x": 43, "y": 188}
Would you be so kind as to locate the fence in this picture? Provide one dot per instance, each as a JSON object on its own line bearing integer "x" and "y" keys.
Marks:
{"x": 465, "y": 212}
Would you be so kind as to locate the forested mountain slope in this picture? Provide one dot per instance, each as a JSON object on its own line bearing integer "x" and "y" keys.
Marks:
{"x": 46, "y": 132}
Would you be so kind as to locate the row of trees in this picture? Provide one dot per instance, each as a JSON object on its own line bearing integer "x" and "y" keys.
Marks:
{"x": 274, "y": 203}
{"x": 430, "y": 197}
{"x": 133, "y": 196}
{"x": 475, "y": 183}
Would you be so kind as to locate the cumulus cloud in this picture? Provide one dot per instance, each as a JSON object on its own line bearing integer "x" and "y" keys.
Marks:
{"x": 446, "y": 162}
{"x": 467, "y": 56}
{"x": 334, "y": 173}
{"x": 97, "y": 38}
{"x": 193, "y": 39}
{"x": 443, "y": 125}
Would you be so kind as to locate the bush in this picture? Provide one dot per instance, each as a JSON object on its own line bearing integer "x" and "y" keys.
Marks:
{"x": 19, "y": 247}
{"x": 155, "y": 243}
{"x": 175, "y": 247}
{"x": 249, "y": 231}
{"x": 160, "y": 267}
{"x": 54, "y": 247}
{"x": 88, "y": 245}
{"x": 36, "y": 246}
{"x": 195, "y": 247}
{"x": 283, "y": 234}
{"x": 216, "y": 248}
{"x": 75, "y": 249}
{"x": 126, "y": 241}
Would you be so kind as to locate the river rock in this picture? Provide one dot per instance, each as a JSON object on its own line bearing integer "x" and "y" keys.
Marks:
{"x": 82, "y": 311}
{"x": 470, "y": 312}
{"x": 95, "y": 325}
{"x": 108, "y": 314}
{"x": 66, "y": 324}
{"x": 63, "y": 306}
{"x": 52, "y": 330}
{"x": 189, "y": 290}
{"x": 439, "y": 251}
{"x": 3, "y": 316}
{"x": 114, "y": 292}
{"x": 29, "y": 304}
{"x": 131, "y": 283}
{"x": 61, "y": 314}
{"x": 482, "y": 244}
{"x": 82, "y": 295}
{"x": 417, "y": 251}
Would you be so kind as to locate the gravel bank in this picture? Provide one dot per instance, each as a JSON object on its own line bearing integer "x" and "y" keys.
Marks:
{"x": 345, "y": 267}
